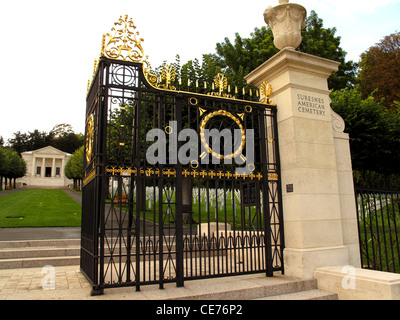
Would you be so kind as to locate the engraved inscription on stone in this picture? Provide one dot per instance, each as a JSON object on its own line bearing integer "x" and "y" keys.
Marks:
{"x": 310, "y": 104}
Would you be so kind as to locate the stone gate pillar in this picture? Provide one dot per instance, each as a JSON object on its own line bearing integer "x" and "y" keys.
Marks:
{"x": 318, "y": 196}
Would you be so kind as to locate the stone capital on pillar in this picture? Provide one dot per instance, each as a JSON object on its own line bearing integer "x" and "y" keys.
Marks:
{"x": 294, "y": 75}
{"x": 312, "y": 206}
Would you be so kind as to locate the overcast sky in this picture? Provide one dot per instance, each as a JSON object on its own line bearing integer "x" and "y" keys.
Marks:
{"x": 48, "y": 47}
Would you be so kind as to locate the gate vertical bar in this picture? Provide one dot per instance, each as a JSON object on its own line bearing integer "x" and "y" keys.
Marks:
{"x": 160, "y": 231}
{"x": 265, "y": 187}
{"x": 279, "y": 186}
{"x": 160, "y": 110}
{"x": 100, "y": 164}
{"x": 137, "y": 161}
{"x": 178, "y": 201}
{"x": 359, "y": 219}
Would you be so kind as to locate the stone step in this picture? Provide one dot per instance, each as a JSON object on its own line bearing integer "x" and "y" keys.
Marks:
{"x": 314, "y": 294}
{"x": 39, "y": 243}
{"x": 39, "y": 262}
{"x": 39, "y": 253}
{"x": 245, "y": 287}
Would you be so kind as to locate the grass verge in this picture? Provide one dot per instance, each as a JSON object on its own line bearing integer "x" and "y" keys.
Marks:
{"x": 39, "y": 208}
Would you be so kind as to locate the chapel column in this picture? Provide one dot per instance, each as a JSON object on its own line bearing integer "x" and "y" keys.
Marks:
{"x": 33, "y": 173}
{"x": 53, "y": 168}
{"x": 43, "y": 170}
{"x": 62, "y": 168}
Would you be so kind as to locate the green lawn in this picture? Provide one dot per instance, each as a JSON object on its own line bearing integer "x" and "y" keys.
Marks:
{"x": 39, "y": 208}
{"x": 379, "y": 234}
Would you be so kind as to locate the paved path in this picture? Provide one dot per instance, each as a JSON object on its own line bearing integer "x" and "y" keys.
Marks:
{"x": 7, "y": 192}
{"x": 55, "y": 233}
{"x": 68, "y": 283}
{"x": 74, "y": 195}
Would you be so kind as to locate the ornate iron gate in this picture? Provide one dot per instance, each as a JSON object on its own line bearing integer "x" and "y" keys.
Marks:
{"x": 161, "y": 203}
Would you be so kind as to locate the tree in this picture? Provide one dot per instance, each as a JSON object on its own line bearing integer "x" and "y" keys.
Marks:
{"x": 380, "y": 71}
{"x": 65, "y": 139}
{"x": 15, "y": 166}
{"x": 192, "y": 72}
{"x": 322, "y": 42}
{"x": 74, "y": 167}
{"x": 19, "y": 142}
{"x": 61, "y": 137}
{"x": 374, "y": 131}
{"x": 246, "y": 54}
{"x": 69, "y": 142}
{"x": 23, "y": 142}
{"x": 2, "y": 166}
{"x": 238, "y": 58}
{"x": 62, "y": 129}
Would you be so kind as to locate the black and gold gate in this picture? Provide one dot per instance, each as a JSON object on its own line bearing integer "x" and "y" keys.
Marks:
{"x": 161, "y": 201}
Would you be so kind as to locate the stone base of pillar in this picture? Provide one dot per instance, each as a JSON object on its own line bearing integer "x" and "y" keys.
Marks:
{"x": 301, "y": 263}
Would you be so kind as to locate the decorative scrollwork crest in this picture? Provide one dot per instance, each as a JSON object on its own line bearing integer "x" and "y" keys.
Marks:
{"x": 152, "y": 78}
{"x": 124, "y": 43}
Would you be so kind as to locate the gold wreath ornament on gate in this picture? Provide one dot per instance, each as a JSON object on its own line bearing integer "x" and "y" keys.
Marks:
{"x": 224, "y": 113}
{"x": 89, "y": 138}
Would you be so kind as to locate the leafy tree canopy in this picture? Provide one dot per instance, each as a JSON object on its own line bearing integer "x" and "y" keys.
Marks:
{"x": 374, "y": 131}
{"x": 2, "y": 162}
{"x": 61, "y": 130}
{"x": 74, "y": 167}
{"x": 238, "y": 58}
{"x": 61, "y": 137}
{"x": 11, "y": 164}
{"x": 380, "y": 71}
{"x": 322, "y": 42}
{"x": 245, "y": 54}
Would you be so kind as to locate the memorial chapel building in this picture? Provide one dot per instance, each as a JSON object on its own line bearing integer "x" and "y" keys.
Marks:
{"x": 45, "y": 168}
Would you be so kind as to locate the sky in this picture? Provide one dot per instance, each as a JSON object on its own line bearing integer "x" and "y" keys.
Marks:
{"x": 48, "y": 47}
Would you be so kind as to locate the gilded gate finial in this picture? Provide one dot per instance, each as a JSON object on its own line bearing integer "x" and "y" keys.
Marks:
{"x": 266, "y": 91}
{"x": 125, "y": 43}
{"x": 221, "y": 83}
{"x": 168, "y": 74}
